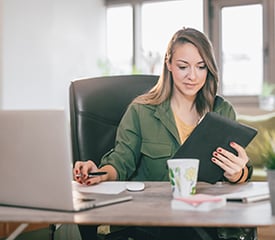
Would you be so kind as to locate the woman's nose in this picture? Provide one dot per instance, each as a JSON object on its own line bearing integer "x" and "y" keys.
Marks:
{"x": 192, "y": 73}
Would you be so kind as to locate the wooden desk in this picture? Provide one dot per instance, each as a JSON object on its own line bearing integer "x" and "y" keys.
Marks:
{"x": 152, "y": 208}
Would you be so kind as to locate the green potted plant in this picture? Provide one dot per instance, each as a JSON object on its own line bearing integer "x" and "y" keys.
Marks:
{"x": 267, "y": 97}
{"x": 267, "y": 149}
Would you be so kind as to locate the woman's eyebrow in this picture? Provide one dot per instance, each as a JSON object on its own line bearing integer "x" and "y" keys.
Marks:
{"x": 184, "y": 61}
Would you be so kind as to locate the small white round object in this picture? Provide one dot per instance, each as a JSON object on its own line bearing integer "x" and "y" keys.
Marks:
{"x": 135, "y": 186}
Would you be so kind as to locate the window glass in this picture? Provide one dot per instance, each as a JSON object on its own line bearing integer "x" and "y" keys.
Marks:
{"x": 242, "y": 50}
{"x": 119, "y": 41}
{"x": 160, "y": 20}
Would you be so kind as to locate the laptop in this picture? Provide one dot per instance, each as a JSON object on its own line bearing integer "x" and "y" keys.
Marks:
{"x": 36, "y": 163}
{"x": 214, "y": 131}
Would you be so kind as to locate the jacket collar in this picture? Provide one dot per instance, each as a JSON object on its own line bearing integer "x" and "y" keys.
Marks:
{"x": 165, "y": 114}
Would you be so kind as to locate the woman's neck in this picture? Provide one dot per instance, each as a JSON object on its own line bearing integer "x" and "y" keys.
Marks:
{"x": 185, "y": 109}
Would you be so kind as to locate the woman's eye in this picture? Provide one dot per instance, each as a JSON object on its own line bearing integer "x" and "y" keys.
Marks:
{"x": 182, "y": 67}
{"x": 202, "y": 67}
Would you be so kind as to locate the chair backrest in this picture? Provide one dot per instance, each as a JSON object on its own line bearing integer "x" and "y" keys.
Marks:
{"x": 96, "y": 107}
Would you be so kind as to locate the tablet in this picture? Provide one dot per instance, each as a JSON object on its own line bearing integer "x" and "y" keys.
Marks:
{"x": 214, "y": 131}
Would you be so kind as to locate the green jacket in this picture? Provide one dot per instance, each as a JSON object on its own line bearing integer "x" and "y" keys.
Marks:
{"x": 146, "y": 137}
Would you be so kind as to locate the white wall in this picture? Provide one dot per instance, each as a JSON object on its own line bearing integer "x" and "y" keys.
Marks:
{"x": 44, "y": 45}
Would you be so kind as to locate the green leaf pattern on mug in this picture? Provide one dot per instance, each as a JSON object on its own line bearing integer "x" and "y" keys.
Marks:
{"x": 172, "y": 177}
{"x": 189, "y": 175}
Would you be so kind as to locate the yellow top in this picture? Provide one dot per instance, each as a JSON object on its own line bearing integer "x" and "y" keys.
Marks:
{"x": 184, "y": 130}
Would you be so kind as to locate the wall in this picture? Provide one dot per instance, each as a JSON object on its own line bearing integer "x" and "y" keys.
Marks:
{"x": 1, "y": 51}
{"x": 44, "y": 44}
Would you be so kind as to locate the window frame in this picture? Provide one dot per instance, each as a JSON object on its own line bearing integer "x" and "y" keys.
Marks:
{"x": 268, "y": 40}
{"x": 212, "y": 24}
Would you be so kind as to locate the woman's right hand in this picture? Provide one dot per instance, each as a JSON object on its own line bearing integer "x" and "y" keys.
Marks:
{"x": 81, "y": 170}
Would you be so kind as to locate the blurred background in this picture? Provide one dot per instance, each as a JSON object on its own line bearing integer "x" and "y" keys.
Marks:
{"x": 46, "y": 44}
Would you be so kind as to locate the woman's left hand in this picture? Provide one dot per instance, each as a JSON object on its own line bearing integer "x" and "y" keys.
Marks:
{"x": 233, "y": 165}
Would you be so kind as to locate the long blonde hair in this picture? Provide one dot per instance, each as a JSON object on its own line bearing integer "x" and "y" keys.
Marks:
{"x": 164, "y": 87}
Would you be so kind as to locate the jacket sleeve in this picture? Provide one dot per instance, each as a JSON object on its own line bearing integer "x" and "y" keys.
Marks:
{"x": 126, "y": 153}
{"x": 224, "y": 108}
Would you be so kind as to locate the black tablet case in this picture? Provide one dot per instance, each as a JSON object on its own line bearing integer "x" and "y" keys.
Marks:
{"x": 214, "y": 131}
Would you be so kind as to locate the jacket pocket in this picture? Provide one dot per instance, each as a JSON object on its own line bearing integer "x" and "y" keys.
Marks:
{"x": 154, "y": 161}
{"x": 156, "y": 150}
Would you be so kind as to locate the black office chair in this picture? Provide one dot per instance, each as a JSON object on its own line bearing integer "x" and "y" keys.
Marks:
{"x": 96, "y": 107}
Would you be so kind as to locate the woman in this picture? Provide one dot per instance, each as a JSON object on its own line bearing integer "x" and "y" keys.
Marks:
{"x": 159, "y": 121}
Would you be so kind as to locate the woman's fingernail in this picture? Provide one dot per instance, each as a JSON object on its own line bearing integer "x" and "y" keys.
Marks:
{"x": 219, "y": 150}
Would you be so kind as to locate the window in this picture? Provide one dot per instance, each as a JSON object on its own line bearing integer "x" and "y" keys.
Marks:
{"x": 242, "y": 50}
{"x": 243, "y": 37}
{"x": 119, "y": 41}
{"x": 160, "y": 20}
{"x": 242, "y": 33}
